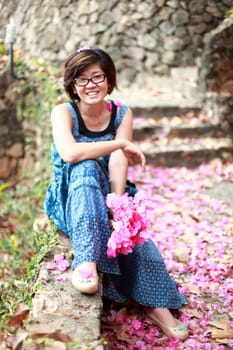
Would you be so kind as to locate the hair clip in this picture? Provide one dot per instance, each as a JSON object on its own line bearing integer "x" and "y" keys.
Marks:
{"x": 80, "y": 49}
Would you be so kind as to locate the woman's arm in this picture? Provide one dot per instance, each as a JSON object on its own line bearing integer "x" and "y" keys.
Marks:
{"x": 72, "y": 151}
{"x": 118, "y": 162}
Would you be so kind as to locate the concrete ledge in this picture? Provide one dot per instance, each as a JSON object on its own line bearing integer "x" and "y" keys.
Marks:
{"x": 60, "y": 312}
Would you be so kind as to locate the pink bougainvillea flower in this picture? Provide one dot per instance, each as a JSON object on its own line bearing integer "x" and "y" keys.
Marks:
{"x": 63, "y": 265}
{"x": 61, "y": 278}
{"x": 58, "y": 258}
{"x": 130, "y": 222}
{"x": 141, "y": 345}
{"x": 61, "y": 262}
{"x": 136, "y": 324}
{"x": 50, "y": 266}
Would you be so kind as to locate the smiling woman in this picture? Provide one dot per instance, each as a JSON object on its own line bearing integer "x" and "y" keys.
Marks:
{"x": 80, "y": 60}
{"x": 92, "y": 146}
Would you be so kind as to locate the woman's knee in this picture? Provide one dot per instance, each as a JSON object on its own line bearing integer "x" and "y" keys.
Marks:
{"x": 87, "y": 167}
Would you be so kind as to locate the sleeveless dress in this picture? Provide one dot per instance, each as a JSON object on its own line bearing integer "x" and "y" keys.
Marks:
{"x": 75, "y": 202}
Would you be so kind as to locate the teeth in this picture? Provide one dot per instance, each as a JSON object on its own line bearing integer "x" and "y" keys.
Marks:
{"x": 92, "y": 93}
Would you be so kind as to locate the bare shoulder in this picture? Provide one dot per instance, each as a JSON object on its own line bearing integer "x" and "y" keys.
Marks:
{"x": 61, "y": 110}
{"x": 126, "y": 125}
{"x": 128, "y": 114}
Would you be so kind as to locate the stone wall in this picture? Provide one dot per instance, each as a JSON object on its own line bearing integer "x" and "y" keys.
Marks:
{"x": 143, "y": 37}
{"x": 21, "y": 142}
{"x": 11, "y": 134}
{"x": 216, "y": 73}
{"x": 216, "y": 68}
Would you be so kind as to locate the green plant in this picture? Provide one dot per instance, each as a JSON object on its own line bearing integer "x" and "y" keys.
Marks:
{"x": 3, "y": 50}
{"x": 229, "y": 13}
{"x": 22, "y": 248}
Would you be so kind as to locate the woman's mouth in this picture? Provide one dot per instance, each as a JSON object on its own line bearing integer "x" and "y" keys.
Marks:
{"x": 92, "y": 93}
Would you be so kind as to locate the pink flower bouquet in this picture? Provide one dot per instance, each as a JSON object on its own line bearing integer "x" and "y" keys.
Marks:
{"x": 130, "y": 222}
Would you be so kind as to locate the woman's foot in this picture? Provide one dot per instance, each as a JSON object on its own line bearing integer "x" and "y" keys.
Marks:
{"x": 170, "y": 326}
{"x": 85, "y": 278}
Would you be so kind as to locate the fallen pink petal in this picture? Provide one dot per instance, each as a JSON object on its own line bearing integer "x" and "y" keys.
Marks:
{"x": 193, "y": 232}
{"x": 58, "y": 258}
{"x": 61, "y": 278}
{"x": 63, "y": 265}
{"x": 50, "y": 266}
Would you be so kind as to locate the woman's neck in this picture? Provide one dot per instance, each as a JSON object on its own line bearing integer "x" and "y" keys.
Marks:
{"x": 96, "y": 117}
{"x": 92, "y": 111}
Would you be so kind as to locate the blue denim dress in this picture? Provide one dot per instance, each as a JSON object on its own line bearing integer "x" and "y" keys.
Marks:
{"x": 75, "y": 202}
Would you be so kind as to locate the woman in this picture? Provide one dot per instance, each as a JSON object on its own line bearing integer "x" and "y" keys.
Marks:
{"x": 92, "y": 145}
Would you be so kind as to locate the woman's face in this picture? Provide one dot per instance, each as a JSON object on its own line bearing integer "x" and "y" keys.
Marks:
{"x": 91, "y": 91}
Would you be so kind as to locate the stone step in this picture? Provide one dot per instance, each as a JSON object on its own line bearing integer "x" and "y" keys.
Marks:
{"x": 178, "y": 127}
{"x": 158, "y": 111}
{"x": 186, "y": 138}
{"x": 176, "y": 91}
{"x": 186, "y": 152}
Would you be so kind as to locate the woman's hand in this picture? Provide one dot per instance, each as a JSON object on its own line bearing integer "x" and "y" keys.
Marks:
{"x": 134, "y": 154}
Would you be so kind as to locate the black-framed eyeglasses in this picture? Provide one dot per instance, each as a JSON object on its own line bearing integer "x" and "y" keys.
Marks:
{"x": 96, "y": 79}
